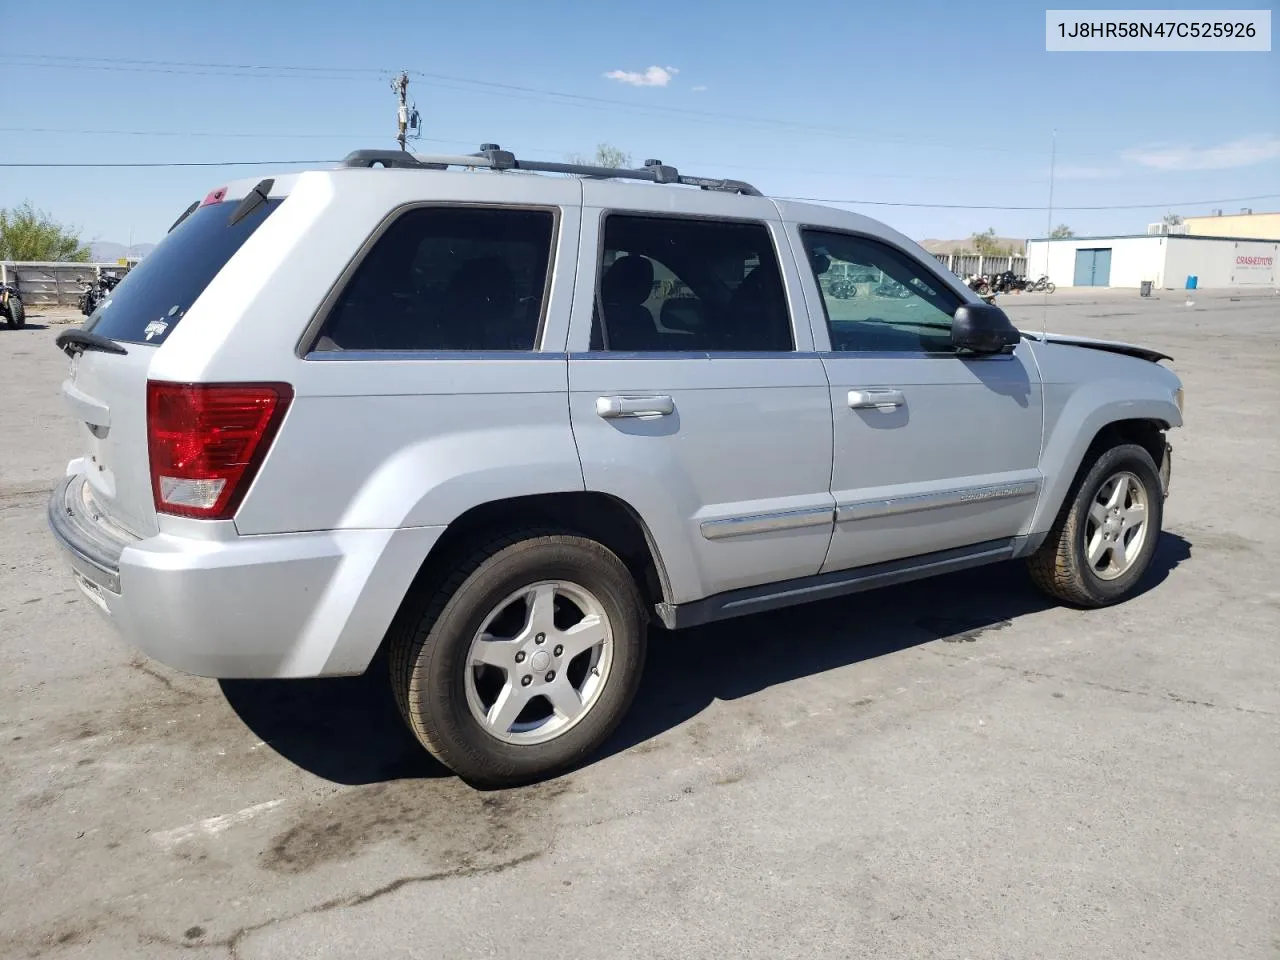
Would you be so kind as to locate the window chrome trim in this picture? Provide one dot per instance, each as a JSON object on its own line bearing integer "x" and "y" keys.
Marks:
{"x": 909, "y": 355}
{"x": 599, "y": 355}
{"x": 956, "y": 497}
{"x": 432, "y": 355}
{"x": 766, "y": 523}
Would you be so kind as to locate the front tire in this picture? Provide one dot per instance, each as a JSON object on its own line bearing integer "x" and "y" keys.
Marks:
{"x": 525, "y": 660}
{"x": 1105, "y": 536}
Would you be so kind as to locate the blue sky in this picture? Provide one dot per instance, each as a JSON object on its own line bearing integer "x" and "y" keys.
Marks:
{"x": 932, "y": 103}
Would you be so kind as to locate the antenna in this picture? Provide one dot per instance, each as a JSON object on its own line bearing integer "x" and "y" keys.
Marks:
{"x": 1048, "y": 236}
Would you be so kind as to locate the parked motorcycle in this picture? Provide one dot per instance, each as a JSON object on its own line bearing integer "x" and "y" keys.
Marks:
{"x": 843, "y": 289}
{"x": 1041, "y": 285}
{"x": 892, "y": 288}
{"x": 979, "y": 283}
{"x": 1008, "y": 282}
{"x": 94, "y": 293}
{"x": 11, "y": 306}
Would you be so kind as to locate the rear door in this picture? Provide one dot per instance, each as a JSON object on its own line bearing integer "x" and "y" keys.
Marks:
{"x": 693, "y": 396}
{"x": 107, "y": 391}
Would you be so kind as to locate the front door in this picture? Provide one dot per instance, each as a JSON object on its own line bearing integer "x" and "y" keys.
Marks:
{"x": 694, "y": 398}
{"x": 933, "y": 451}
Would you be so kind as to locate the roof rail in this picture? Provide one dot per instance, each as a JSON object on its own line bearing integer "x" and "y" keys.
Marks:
{"x": 493, "y": 157}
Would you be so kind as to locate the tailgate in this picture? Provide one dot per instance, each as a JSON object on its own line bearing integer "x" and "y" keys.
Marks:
{"x": 106, "y": 387}
{"x": 107, "y": 394}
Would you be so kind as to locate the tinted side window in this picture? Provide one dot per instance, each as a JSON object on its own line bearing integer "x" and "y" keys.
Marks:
{"x": 878, "y": 299}
{"x": 671, "y": 284}
{"x": 447, "y": 278}
{"x": 154, "y": 296}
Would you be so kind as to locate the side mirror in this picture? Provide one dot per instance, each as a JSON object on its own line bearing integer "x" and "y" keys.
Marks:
{"x": 983, "y": 328}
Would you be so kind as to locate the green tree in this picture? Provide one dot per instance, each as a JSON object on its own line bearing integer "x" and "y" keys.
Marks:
{"x": 1061, "y": 232}
{"x": 984, "y": 244}
{"x": 30, "y": 234}
{"x": 606, "y": 155}
{"x": 1171, "y": 219}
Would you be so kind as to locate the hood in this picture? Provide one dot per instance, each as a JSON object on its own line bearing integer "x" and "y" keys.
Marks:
{"x": 1111, "y": 346}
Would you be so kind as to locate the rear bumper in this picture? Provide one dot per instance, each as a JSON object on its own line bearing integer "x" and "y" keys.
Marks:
{"x": 93, "y": 548}
{"x": 281, "y": 605}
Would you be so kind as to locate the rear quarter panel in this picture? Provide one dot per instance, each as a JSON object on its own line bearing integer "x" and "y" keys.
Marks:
{"x": 382, "y": 441}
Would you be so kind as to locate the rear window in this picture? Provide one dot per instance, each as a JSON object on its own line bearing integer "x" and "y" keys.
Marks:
{"x": 155, "y": 295}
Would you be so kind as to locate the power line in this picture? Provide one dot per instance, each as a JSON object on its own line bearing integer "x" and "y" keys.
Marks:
{"x": 851, "y": 202}
{"x": 180, "y": 64}
{"x": 972, "y": 206}
{"x": 49, "y": 61}
{"x": 471, "y": 141}
{"x": 493, "y": 88}
{"x": 172, "y": 163}
{"x": 205, "y": 133}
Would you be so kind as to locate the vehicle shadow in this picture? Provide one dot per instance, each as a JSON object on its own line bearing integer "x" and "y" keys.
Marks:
{"x": 26, "y": 326}
{"x": 345, "y": 729}
{"x": 348, "y": 730}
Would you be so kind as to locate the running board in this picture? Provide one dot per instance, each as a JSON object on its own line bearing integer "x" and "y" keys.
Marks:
{"x": 824, "y": 586}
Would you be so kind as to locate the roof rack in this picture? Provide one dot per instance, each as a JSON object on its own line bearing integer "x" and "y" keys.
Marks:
{"x": 493, "y": 157}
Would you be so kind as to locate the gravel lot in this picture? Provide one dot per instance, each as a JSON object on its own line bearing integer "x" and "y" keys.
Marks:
{"x": 954, "y": 768}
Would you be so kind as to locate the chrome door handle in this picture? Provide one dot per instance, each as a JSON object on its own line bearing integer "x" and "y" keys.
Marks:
{"x": 611, "y": 408}
{"x": 880, "y": 399}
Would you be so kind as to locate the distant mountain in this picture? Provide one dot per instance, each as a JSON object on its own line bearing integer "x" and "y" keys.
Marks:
{"x": 105, "y": 251}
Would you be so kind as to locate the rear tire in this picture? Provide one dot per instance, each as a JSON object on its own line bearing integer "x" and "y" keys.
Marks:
{"x": 1105, "y": 535}
{"x": 15, "y": 313}
{"x": 487, "y": 698}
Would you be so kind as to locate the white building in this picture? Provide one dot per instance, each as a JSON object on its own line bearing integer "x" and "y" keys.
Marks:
{"x": 1167, "y": 260}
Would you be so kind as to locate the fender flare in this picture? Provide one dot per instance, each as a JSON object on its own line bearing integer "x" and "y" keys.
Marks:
{"x": 1085, "y": 415}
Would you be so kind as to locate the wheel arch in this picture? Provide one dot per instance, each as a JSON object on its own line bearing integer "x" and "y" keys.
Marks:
{"x": 1064, "y": 463}
{"x": 602, "y": 517}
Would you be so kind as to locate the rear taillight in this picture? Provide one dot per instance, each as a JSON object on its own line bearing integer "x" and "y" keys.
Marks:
{"x": 207, "y": 441}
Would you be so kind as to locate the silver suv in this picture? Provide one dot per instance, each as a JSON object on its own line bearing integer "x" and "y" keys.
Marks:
{"x": 501, "y": 421}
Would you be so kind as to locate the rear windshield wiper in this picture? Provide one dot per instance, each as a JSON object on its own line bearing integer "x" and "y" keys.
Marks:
{"x": 252, "y": 201}
{"x": 185, "y": 213}
{"x": 76, "y": 341}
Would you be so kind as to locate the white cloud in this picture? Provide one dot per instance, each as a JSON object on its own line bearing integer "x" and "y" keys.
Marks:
{"x": 653, "y": 77}
{"x": 1244, "y": 152}
{"x": 699, "y": 88}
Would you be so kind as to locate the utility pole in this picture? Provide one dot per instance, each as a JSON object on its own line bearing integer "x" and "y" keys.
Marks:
{"x": 401, "y": 86}
{"x": 1048, "y": 243}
